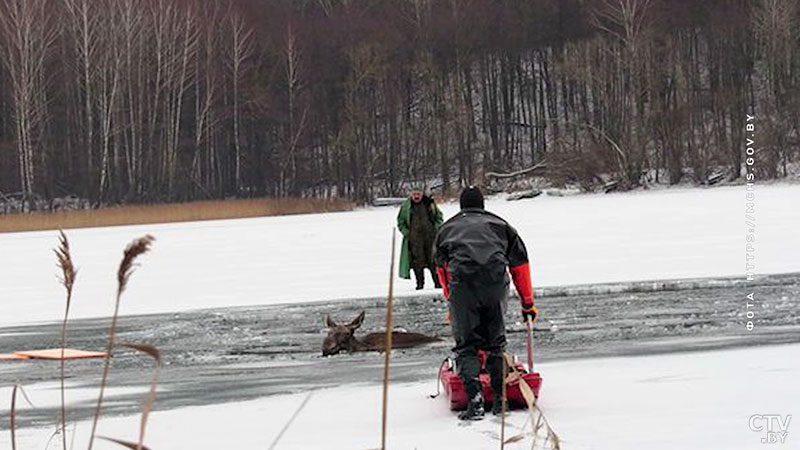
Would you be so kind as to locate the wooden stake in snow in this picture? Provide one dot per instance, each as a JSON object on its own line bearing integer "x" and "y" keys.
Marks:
{"x": 503, "y": 400}
{"x": 388, "y": 350}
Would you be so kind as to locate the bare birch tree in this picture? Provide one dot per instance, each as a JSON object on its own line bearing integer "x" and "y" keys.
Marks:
{"x": 241, "y": 50}
{"x": 83, "y": 28}
{"x": 296, "y": 115}
{"x": 29, "y": 35}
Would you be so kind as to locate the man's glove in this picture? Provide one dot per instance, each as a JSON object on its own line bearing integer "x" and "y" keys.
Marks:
{"x": 530, "y": 312}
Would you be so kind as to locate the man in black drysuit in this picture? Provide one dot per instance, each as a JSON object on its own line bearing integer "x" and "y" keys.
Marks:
{"x": 474, "y": 251}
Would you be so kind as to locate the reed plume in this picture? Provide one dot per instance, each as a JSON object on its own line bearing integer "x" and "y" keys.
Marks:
{"x": 128, "y": 264}
{"x": 135, "y": 249}
{"x": 67, "y": 279}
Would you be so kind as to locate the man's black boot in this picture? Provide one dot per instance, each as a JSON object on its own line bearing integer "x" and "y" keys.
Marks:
{"x": 419, "y": 274}
{"x": 469, "y": 367}
{"x": 474, "y": 410}
{"x": 494, "y": 364}
{"x": 497, "y": 406}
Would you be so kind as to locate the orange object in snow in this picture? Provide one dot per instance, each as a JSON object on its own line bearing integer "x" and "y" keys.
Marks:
{"x": 56, "y": 354}
{"x": 10, "y": 356}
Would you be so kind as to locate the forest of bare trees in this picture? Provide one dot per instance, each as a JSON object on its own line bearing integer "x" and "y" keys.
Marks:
{"x": 168, "y": 100}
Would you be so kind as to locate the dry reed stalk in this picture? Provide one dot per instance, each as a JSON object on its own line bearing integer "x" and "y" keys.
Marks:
{"x": 135, "y": 249}
{"x": 13, "y": 413}
{"x": 55, "y": 434}
{"x": 291, "y": 419}
{"x": 537, "y": 418}
{"x": 147, "y": 405}
{"x": 388, "y": 348}
{"x": 173, "y": 212}
{"x": 126, "y": 444}
{"x": 67, "y": 279}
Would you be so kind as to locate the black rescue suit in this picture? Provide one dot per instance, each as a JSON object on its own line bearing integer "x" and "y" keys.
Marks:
{"x": 473, "y": 252}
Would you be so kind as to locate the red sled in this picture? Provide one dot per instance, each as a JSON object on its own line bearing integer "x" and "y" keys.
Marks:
{"x": 453, "y": 387}
{"x": 454, "y": 391}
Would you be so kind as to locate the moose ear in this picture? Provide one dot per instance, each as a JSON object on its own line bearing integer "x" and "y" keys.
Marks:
{"x": 329, "y": 322}
{"x": 357, "y": 321}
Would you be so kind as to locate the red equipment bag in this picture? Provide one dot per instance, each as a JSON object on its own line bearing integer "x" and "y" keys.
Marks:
{"x": 453, "y": 387}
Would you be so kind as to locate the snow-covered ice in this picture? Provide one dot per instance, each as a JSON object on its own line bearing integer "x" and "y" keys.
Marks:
{"x": 665, "y": 234}
{"x": 48, "y": 394}
{"x": 679, "y": 401}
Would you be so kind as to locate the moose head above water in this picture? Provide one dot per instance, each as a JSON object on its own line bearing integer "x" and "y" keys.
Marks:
{"x": 341, "y": 337}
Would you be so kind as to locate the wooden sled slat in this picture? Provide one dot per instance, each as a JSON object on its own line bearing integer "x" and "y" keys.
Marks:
{"x": 55, "y": 354}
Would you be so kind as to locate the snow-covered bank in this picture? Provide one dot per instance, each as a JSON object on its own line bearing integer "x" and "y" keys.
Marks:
{"x": 668, "y": 234}
{"x": 681, "y": 401}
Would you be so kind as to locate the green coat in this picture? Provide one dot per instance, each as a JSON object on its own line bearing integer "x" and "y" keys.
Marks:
{"x": 403, "y": 224}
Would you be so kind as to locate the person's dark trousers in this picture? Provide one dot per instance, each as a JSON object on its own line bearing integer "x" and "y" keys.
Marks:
{"x": 478, "y": 323}
{"x": 494, "y": 364}
{"x": 419, "y": 275}
{"x": 435, "y": 276}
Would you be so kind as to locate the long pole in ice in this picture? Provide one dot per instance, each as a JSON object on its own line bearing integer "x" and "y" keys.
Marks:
{"x": 388, "y": 349}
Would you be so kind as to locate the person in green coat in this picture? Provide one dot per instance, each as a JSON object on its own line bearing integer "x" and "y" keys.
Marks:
{"x": 419, "y": 220}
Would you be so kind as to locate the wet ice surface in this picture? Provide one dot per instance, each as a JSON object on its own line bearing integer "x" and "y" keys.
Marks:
{"x": 222, "y": 355}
